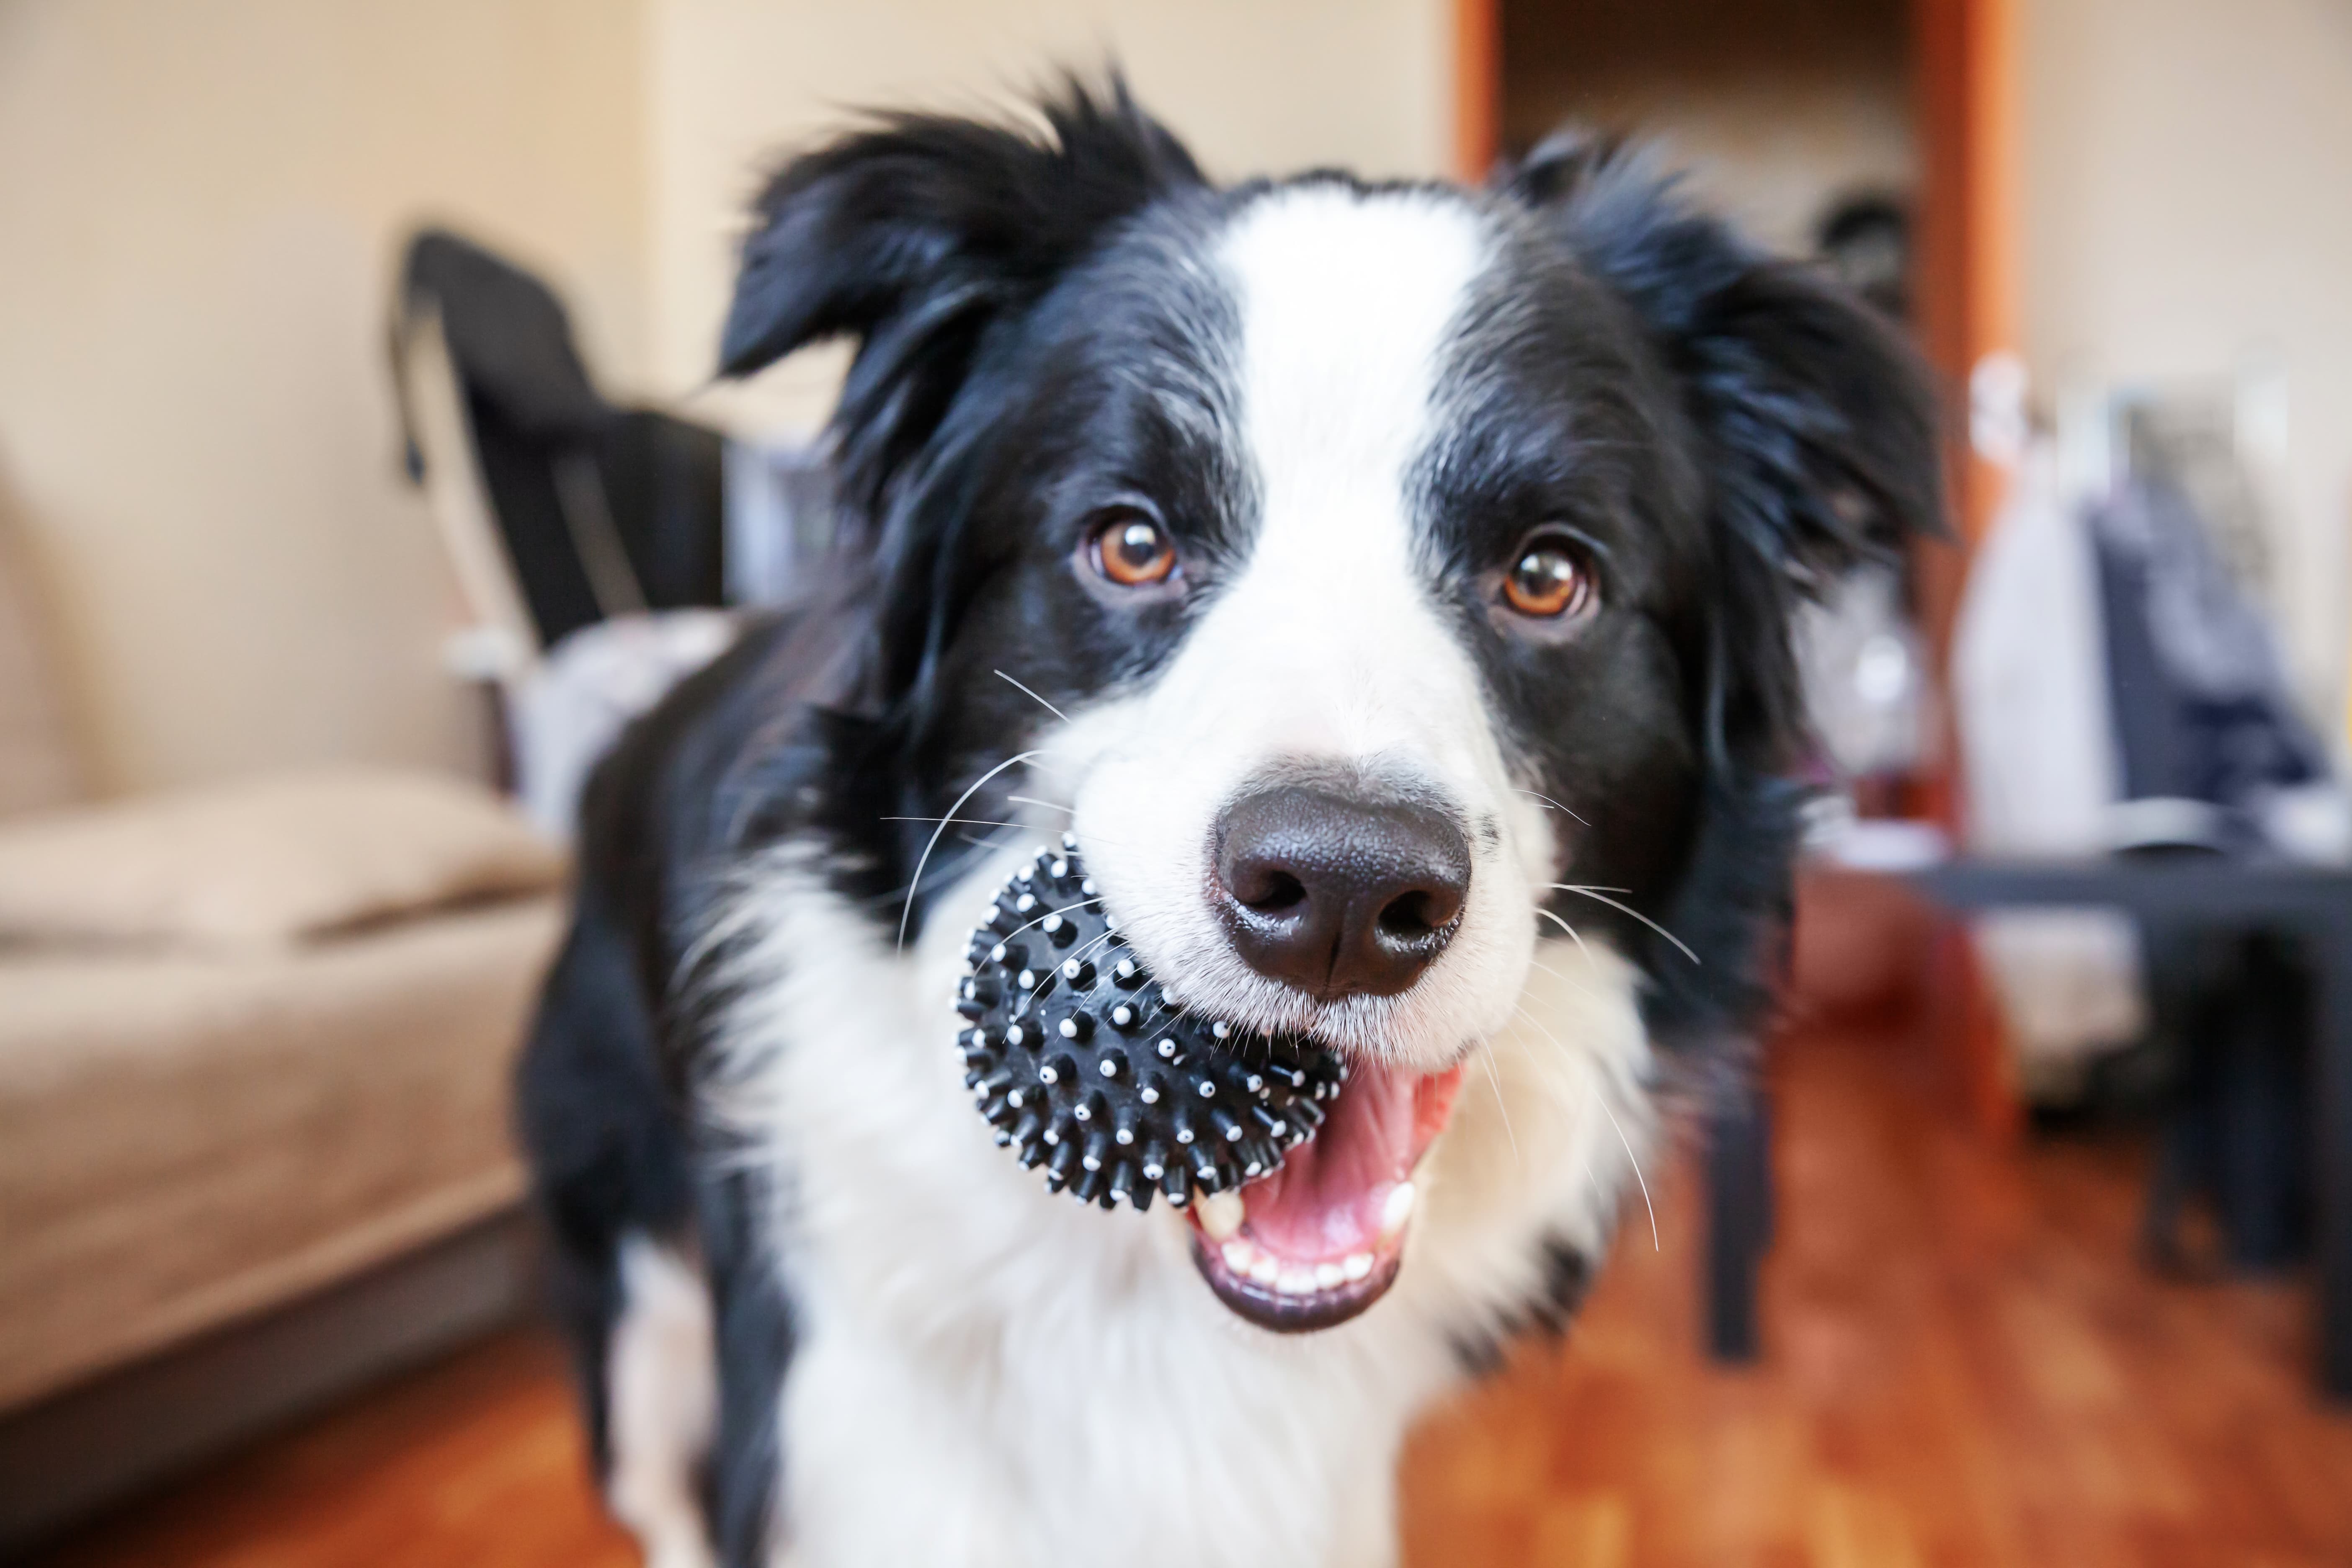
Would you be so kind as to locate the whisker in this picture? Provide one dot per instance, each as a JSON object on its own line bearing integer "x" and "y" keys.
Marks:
{"x": 1572, "y": 937}
{"x": 915, "y": 883}
{"x": 1656, "y": 1244}
{"x": 1033, "y": 696}
{"x": 1573, "y": 986}
{"x": 1049, "y": 805}
{"x": 1595, "y": 894}
{"x": 991, "y": 841}
{"x": 1600, "y": 1098}
{"x": 1066, "y": 908}
{"x": 1584, "y": 1156}
{"x": 1549, "y": 801}
{"x": 1536, "y": 1062}
{"x": 1055, "y": 968}
{"x": 987, "y": 822}
{"x": 1486, "y": 1056}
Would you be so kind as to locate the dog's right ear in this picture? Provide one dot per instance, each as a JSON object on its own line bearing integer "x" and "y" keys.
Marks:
{"x": 1822, "y": 435}
{"x": 915, "y": 235}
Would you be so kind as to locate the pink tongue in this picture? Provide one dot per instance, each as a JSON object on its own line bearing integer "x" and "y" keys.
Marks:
{"x": 1324, "y": 1202}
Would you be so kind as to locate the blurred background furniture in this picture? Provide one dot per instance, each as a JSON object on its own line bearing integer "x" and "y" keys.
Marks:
{"x": 254, "y": 1048}
{"x": 585, "y": 509}
{"x": 594, "y": 544}
{"x": 1740, "y": 1202}
{"x": 2312, "y": 906}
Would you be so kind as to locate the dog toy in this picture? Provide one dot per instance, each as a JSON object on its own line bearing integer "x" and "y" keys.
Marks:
{"x": 1085, "y": 1064}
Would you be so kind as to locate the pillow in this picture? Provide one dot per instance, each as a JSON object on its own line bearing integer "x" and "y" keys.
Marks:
{"x": 266, "y": 862}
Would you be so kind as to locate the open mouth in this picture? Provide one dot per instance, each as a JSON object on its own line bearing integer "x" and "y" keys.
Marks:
{"x": 1319, "y": 1239}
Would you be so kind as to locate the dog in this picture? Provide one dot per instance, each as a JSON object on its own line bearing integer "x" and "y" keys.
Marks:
{"x": 1389, "y": 586}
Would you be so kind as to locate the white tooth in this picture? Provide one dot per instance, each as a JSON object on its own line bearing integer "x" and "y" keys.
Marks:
{"x": 1356, "y": 1266}
{"x": 1396, "y": 1208}
{"x": 1222, "y": 1216}
{"x": 1328, "y": 1274}
{"x": 1239, "y": 1255}
{"x": 1295, "y": 1282}
{"x": 1264, "y": 1269}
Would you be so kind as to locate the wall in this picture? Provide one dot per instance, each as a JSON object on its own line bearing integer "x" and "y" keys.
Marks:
{"x": 202, "y": 209}
{"x": 2185, "y": 212}
{"x": 1775, "y": 107}
{"x": 203, "y": 206}
{"x": 1254, "y": 86}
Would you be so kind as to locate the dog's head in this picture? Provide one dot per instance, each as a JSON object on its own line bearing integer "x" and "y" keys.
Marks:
{"x": 1395, "y": 573}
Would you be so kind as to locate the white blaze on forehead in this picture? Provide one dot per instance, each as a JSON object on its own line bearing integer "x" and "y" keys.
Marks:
{"x": 1325, "y": 639}
{"x": 1346, "y": 304}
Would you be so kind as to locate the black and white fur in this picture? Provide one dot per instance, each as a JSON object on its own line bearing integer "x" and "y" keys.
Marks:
{"x": 822, "y": 1317}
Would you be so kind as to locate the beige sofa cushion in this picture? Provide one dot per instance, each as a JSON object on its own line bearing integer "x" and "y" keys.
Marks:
{"x": 39, "y": 766}
{"x": 185, "y": 1140}
{"x": 266, "y": 862}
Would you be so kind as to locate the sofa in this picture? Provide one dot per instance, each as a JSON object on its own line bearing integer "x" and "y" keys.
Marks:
{"x": 254, "y": 1048}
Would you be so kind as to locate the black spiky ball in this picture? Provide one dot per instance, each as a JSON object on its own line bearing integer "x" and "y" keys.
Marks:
{"x": 1078, "y": 1059}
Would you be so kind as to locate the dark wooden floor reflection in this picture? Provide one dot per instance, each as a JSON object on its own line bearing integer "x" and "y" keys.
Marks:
{"x": 1965, "y": 1365}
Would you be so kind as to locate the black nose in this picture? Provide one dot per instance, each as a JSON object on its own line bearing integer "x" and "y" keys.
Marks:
{"x": 1336, "y": 894}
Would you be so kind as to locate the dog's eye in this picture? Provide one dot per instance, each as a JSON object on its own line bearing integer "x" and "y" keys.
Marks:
{"x": 1549, "y": 580}
{"x": 1132, "y": 551}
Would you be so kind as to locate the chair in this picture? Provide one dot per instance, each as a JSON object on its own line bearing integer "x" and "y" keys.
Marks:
{"x": 558, "y": 512}
{"x": 557, "y": 509}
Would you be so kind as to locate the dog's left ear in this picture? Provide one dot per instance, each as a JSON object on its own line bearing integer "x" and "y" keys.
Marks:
{"x": 915, "y": 235}
{"x": 1821, "y": 438}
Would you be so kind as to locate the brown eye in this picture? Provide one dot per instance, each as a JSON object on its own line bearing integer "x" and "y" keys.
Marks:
{"x": 1134, "y": 552}
{"x": 1549, "y": 579}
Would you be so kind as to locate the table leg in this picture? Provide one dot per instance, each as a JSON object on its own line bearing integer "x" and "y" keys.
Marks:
{"x": 2333, "y": 1153}
{"x": 1739, "y": 1219}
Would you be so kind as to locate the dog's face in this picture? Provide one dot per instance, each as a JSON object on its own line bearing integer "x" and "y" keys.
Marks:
{"x": 1384, "y": 581}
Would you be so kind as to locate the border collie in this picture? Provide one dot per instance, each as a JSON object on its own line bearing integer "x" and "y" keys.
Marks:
{"x": 1388, "y": 586}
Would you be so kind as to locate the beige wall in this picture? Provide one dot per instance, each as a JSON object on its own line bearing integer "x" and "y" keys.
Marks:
{"x": 1254, "y": 86}
{"x": 2187, "y": 210}
{"x": 199, "y": 211}
{"x": 202, "y": 209}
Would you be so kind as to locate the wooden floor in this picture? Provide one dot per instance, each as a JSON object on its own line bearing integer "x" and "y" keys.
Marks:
{"x": 1965, "y": 1365}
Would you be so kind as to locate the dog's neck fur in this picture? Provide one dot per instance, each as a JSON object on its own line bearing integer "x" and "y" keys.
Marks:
{"x": 989, "y": 1373}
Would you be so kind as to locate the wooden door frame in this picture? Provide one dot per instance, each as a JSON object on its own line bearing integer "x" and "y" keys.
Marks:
{"x": 1477, "y": 87}
{"x": 1965, "y": 79}
{"x": 1965, "y": 63}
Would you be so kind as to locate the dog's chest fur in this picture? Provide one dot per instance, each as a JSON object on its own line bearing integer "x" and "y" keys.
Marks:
{"x": 988, "y": 1372}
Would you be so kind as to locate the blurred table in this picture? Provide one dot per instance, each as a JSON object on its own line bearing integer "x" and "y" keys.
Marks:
{"x": 2310, "y": 903}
